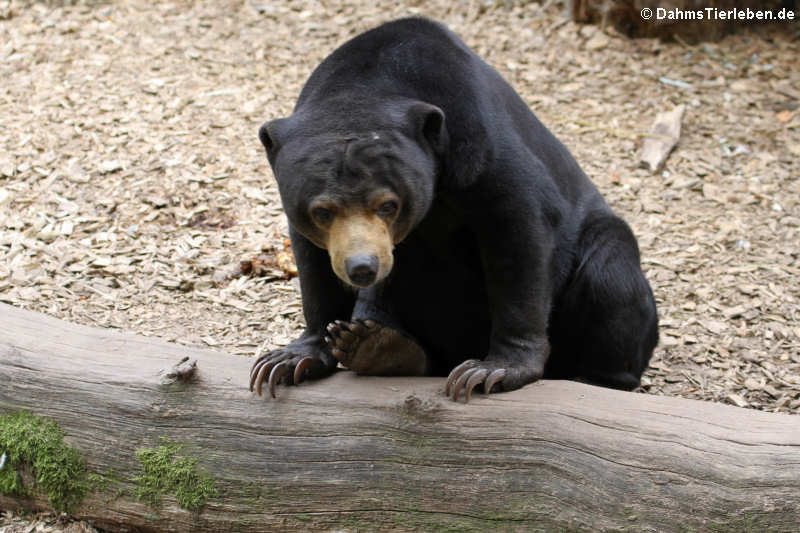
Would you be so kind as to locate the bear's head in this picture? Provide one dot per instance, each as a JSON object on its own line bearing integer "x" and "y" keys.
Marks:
{"x": 356, "y": 183}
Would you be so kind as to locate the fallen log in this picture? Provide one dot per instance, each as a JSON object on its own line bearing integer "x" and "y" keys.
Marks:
{"x": 376, "y": 454}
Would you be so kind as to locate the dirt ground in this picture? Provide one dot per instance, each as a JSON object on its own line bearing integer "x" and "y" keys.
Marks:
{"x": 134, "y": 193}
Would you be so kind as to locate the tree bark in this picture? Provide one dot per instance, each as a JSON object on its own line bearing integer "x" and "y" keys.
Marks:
{"x": 378, "y": 454}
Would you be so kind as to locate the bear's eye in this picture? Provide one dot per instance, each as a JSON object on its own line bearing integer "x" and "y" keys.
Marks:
{"x": 322, "y": 216}
{"x": 387, "y": 209}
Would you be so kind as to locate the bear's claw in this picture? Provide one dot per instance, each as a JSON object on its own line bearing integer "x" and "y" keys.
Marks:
{"x": 271, "y": 367}
{"x": 468, "y": 375}
{"x": 300, "y": 369}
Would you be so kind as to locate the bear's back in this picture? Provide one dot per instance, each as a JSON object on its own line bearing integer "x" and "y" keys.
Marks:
{"x": 420, "y": 59}
{"x": 407, "y": 57}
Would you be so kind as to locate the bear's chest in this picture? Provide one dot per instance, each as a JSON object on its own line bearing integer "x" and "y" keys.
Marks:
{"x": 444, "y": 240}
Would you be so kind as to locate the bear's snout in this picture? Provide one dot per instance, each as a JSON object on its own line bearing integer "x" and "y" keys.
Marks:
{"x": 360, "y": 247}
{"x": 362, "y": 269}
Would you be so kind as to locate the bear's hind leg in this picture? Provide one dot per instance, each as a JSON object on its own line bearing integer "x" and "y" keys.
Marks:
{"x": 604, "y": 325}
{"x": 370, "y": 348}
{"x": 371, "y": 344}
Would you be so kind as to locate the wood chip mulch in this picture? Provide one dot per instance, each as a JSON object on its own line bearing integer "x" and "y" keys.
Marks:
{"x": 134, "y": 193}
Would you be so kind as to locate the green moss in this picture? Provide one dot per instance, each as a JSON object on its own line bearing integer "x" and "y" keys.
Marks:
{"x": 10, "y": 482}
{"x": 37, "y": 444}
{"x": 108, "y": 484}
{"x": 100, "y": 482}
{"x": 165, "y": 472}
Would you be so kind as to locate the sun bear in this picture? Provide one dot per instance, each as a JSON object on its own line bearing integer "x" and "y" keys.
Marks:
{"x": 440, "y": 229}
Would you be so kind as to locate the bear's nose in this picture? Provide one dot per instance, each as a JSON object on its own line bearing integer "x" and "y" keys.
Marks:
{"x": 362, "y": 269}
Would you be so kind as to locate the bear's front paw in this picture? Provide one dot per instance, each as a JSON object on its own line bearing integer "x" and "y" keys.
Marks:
{"x": 474, "y": 372}
{"x": 468, "y": 375}
{"x": 288, "y": 366}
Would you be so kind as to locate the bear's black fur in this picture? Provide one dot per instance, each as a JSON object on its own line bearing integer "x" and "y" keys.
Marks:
{"x": 435, "y": 220}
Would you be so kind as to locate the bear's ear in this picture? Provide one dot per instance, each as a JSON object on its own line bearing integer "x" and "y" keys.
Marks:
{"x": 428, "y": 121}
{"x": 269, "y": 134}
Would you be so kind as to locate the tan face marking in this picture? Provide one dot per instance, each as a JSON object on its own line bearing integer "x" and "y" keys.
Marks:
{"x": 354, "y": 233}
{"x": 359, "y": 237}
